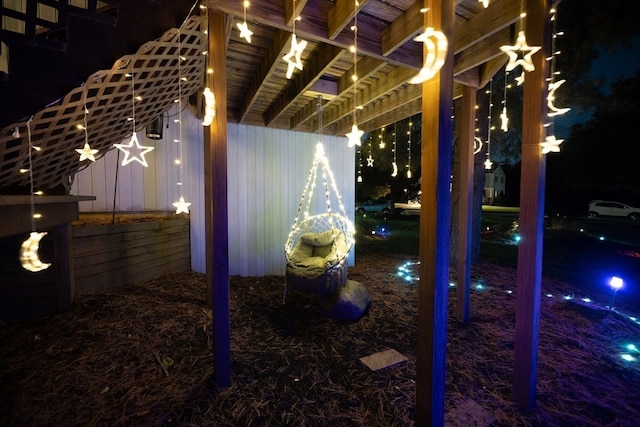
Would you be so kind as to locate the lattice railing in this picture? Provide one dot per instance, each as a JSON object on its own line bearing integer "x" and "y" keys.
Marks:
{"x": 107, "y": 95}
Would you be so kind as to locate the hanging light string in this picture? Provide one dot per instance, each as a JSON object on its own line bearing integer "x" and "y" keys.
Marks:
{"x": 487, "y": 162}
{"x": 409, "y": 150}
{"x": 355, "y": 134}
{"x": 394, "y": 172}
{"x": 551, "y": 144}
{"x": 504, "y": 124}
{"x": 32, "y": 193}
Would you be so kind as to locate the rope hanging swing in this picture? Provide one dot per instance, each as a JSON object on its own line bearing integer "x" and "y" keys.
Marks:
{"x": 318, "y": 245}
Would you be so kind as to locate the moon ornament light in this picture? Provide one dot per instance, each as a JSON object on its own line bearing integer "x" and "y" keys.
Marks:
{"x": 435, "y": 44}
{"x": 29, "y": 257}
{"x": 553, "y": 110}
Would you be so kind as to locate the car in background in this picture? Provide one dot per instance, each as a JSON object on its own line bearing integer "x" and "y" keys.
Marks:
{"x": 609, "y": 208}
{"x": 374, "y": 206}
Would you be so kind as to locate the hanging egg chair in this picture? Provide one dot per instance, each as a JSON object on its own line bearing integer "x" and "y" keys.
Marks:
{"x": 318, "y": 245}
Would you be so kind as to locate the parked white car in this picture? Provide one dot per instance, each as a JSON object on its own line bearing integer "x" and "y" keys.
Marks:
{"x": 609, "y": 208}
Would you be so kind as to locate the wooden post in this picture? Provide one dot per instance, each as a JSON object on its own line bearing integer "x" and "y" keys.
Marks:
{"x": 466, "y": 139}
{"x": 215, "y": 193}
{"x": 435, "y": 217}
{"x": 529, "y": 273}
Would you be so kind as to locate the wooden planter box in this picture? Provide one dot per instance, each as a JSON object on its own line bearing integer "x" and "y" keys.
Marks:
{"x": 135, "y": 249}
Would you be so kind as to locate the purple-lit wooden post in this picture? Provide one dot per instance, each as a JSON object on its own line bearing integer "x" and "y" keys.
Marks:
{"x": 529, "y": 275}
{"x": 466, "y": 137}
{"x": 435, "y": 218}
{"x": 215, "y": 193}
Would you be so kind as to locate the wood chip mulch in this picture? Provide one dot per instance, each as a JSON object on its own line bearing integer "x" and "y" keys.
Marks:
{"x": 141, "y": 355}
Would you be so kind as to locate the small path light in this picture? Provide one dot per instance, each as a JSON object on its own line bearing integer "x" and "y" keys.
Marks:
{"x": 615, "y": 283}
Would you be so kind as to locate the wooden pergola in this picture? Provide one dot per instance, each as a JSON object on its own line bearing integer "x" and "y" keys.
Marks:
{"x": 250, "y": 87}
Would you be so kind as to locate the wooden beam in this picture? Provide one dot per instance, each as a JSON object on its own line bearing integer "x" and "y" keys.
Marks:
{"x": 216, "y": 220}
{"x": 466, "y": 136}
{"x": 340, "y": 14}
{"x": 280, "y": 47}
{"x": 532, "y": 183}
{"x": 499, "y": 16}
{"x": 405, "y": 95}
{"x": 482, "y": 52}
{"x": 468, "y": 78}
{"x": 491, "y": 68}
{"x": 435, "y": 218}
{"x": 322, "y": 59}
{"x": 272, "y": 14}
{"x": 368, "y": 94}
{"x": 405, "y": 27}
{"x": 290, "y": 13}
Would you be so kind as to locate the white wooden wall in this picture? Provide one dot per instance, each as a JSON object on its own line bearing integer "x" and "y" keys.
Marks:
{"x": 267, "y": 171}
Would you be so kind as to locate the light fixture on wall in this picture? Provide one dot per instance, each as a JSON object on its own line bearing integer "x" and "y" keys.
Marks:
{"x": 154, "y": 127}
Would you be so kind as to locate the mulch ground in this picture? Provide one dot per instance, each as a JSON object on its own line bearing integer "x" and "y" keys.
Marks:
{"x": 141, "y": 355}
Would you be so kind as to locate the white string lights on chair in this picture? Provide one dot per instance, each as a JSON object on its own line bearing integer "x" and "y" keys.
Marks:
{"x": 294, "y": 57}
{"x": 435, "y": 50}
{"x": 134, "y": 152}
{"x": 181, "y": 205}
{"x": 29, "y": 258}
{"x": 355, "y": 134}
{"x": 551, "y": 144}
{"x": 86, "y": 152}
{"x": 245, "y": 32}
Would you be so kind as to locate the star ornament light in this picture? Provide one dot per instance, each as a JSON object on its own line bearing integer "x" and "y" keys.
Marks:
{"x": 87, "y": 153}
{"x": 245, "y": 32}
{"x": 551, "y": 144}
{"x": 370, "y": 161}
{"x": 181, "y": 206}
{"x": 354, "y": 136}
{"x": 134, "y": 146}
{"x": 504, "y": 120}
{"x": 294, "y": 57}
{"x": 520, "y": 48}
{"x": 435, "y": 44}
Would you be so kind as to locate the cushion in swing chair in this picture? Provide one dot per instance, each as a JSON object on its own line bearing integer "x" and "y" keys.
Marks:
{"x": 317, "y": 262}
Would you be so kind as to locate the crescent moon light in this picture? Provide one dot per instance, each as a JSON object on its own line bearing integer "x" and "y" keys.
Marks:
{"x": 29, "y": 253}
{"x": 553, "y": 110}
{"x": 434, "y": 56}
{"x": 395, "y": 169}
{"x": 477, "y": 146}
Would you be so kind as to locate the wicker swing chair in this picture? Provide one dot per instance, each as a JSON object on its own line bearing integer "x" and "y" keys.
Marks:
{"x": 318, "y": 245}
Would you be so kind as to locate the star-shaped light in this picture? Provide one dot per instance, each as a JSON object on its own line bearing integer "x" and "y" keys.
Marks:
{"x": 505, "y": 120}
{"x": 487, "y": 164}
{"x": 370, "y": 161}
{"x": 134, "y": 145}
{"x": 87, "y": 153}
{"x": 296, "y": 54}
{"x": 181, "y": 206}
{"x": 435, "y": 54}
{"x": 551, "y": 144}
{"x": 245, "y": 32}
{"x": 553, "y": 110}
{"x": 354, "y": 136}
{"x": 514, "y": 51}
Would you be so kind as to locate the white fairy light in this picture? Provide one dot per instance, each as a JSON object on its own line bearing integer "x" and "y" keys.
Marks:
{"x": 514, "y": 52}
{"x": 294, "y": 57}
{"x": 133, "y": 144}
{"x": 86, "y": 152}
{"x": 245, "y": 32}
{"x": 355, "y": 134}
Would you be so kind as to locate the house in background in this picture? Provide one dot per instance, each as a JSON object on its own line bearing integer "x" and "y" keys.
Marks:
{"x": 494, "y": 185}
